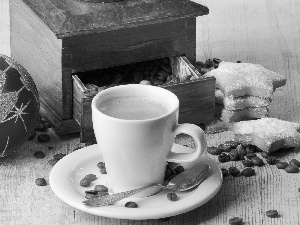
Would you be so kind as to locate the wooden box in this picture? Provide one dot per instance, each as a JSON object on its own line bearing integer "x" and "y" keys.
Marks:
{"x": 55, "y": 39}
{"x": 196, "y": 97}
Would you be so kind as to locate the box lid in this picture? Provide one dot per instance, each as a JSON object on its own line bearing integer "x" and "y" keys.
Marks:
{"x": 69, "y": 18}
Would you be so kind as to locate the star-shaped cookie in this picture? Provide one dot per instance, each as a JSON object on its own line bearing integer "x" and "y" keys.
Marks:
{"x": 235, "y": 103}
{"x": 246, "y": 79}
{"x": 269, "y": 134}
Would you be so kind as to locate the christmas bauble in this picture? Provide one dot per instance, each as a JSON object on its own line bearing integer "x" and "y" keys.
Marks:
{"x": 19, "y": 105}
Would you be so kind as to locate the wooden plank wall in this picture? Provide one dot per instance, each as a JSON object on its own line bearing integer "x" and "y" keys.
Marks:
{"x": 257, "y": 31}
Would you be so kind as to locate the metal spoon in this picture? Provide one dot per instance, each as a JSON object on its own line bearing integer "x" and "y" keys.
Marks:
{"x": 182, "y": 182}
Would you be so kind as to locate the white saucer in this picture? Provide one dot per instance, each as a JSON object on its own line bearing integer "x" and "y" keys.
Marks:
{"x": 67, "y": 173}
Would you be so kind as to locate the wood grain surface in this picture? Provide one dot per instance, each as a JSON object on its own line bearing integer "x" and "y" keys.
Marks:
{"x": 258, "y": 31}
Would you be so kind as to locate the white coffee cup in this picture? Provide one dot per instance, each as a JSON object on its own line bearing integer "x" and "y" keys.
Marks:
{"x": 136, "y": 151}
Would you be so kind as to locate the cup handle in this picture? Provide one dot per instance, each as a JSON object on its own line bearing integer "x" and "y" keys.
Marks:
{"x": 199, "y": 137}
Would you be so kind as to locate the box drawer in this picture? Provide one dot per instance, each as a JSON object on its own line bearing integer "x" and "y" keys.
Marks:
{"x": 196, "y": 96}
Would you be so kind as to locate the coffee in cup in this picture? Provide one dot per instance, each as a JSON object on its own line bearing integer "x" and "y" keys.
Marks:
{"x": 133, "y": 108}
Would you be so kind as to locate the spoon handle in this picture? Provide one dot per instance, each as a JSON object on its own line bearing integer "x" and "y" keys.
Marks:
{"x": 110, "y": 199}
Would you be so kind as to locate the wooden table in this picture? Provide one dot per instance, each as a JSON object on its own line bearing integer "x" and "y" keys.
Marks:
{"x": 265, "y": 32}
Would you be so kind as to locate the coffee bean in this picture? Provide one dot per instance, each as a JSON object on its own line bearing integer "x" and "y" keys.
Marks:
{"x": 292, "y": 169}
{"x": 272, "y": 213}
{"x": 214, "y": 150}
{"x": 233, "y": 154}
{"x": 40, "y": 182}
{"x": 59, "y": 156}
{"x": 39, "y": 154}
{"x": 264, "y": 154}
{"x": 179, "y": 169}
{"x": 234, "y": 171}
{"x": 216, "y": 60}
{"x": 295, "y": 162}
{"x": 241, "y": 150}
{"x": 100, "y": 165}
{"x": 52, "y": 162}
{"x": 43, "y": 138}
{"x": 85, "y": 182}
{"x": 247, "y": 163}
{"x": 248, "y": 172}
{"x": 250, "y": 155}
{"x": 172, "y": 196}
{"x": 92, "y": 192}
{"x": 272, "y": 160}
{"x": 101, "y": 188}
{"x": 257, "y": 161}
{"x": 90, "y": 196}
{"x": 209, "y": 63}
{"x": 223, "y": 157}
{"x": 92, "y": 177}
{"x": 235, "y": 221}
{"x": 224, "y": 148}
{"x": 251, "y": 148}
{"x": 103, "y": 170}
{"x": 131, "y": 205}
{"x": 281, "y": 165}
{"x": 224, "y": 172}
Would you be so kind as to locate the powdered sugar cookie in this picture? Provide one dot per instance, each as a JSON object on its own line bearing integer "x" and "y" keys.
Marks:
{"x": 235, "y": 103}
{"x": 269, "y": 134}
{"x": 240, "y": 79}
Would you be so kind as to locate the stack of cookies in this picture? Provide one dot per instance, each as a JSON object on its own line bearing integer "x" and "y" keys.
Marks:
{"x": 244, "y": 90}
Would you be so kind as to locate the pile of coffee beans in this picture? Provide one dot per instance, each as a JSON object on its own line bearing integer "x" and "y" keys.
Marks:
{"x": 233, "y": 151}
{"x": 249, "y": 156}
{"x": 154, "y": 72}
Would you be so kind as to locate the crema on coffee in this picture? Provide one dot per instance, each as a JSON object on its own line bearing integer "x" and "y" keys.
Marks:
{"x": 133, "y": 108}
